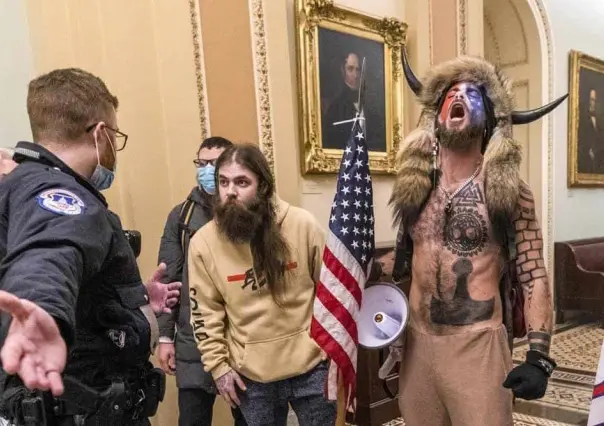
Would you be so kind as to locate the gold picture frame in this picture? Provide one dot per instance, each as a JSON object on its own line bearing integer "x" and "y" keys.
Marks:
{"x": 585, "y": 140}
{"x": 315, "y": 17}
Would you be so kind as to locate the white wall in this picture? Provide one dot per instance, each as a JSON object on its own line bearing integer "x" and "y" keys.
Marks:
{"x": 16, "y": 69}
{"x": 577, "y": 212}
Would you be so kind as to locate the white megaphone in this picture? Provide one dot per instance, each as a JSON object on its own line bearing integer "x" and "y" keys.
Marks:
{"x": 383, "y": 316}
{"x": 381, "y": 322}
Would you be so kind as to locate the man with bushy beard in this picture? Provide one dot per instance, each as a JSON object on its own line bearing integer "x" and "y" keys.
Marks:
{"x": 469, "y": 239}
{"x": 252, "y": 273}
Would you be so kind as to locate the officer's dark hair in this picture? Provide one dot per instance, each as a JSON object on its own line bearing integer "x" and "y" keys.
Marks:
{"x": 215, "y": 142}
{"x": 63, "y": 102}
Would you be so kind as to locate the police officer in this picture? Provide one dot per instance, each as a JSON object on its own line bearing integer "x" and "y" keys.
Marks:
{"x": 82, "y": 323}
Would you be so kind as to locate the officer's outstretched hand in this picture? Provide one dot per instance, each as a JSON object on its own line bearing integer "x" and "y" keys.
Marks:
{"x": 162, "y": 296}
{"x": 34, "y": 348}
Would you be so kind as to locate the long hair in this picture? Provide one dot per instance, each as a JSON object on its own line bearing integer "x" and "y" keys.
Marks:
{"x": 270, "y": 251}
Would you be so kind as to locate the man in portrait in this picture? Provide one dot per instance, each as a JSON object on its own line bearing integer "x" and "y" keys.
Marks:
{"x": 343, "y": 57}
{"x": 590, "y": 145}
{"x": 345, "y": 106}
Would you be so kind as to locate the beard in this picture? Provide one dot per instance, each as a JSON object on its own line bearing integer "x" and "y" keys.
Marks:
{"x": 256, "y": 224}
{"x": 460, "y": 140}
{"x": 239, "y": 223}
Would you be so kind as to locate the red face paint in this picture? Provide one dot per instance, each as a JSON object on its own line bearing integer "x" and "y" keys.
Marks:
{"x": 462, "y": 101}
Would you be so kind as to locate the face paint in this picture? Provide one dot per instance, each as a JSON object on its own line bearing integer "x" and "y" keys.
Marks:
{"x": 463, "y": 106}
{"x": 462, "y": 119}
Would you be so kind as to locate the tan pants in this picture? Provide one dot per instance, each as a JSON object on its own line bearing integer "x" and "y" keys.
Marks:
{"x": 456, "y": 380}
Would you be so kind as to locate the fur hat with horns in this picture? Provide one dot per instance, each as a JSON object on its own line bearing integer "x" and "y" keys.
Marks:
{"x": 502, "y": 154}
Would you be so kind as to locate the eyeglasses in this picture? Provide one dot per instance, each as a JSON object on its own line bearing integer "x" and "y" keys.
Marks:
{"x": 120, "y": 137}
{"x": 203, "y": 163}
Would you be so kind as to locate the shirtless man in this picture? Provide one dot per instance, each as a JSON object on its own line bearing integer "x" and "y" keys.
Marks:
{"x": 464, "y": 212}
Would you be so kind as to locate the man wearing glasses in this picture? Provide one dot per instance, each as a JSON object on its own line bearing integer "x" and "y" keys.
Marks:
{"x": 82, "y": 326}
{"x": 178, "y": 351}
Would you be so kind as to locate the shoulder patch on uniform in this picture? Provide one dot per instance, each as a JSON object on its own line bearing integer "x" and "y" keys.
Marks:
{"x": 61, "y": 201}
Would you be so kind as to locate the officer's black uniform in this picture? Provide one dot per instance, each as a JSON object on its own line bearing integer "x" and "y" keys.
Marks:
{"x": 62, "y": 248}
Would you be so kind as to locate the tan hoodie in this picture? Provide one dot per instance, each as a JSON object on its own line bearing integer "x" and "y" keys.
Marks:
{"x": 236, "y": 323}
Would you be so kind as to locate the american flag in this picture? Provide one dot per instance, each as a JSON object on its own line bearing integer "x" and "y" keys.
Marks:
{"x": 347, "y": 260}
{"x": 596, "y": 410}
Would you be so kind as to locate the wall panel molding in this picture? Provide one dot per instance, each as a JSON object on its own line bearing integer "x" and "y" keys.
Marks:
{"x": 202, "y": 97}
{"x": 542, "y": 19}
{"x": 263, "y": 98}
{"x": 431, "y": 33}
{"x": 462, "y": 27}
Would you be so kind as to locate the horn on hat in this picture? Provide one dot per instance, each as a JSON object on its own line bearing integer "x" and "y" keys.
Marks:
{"x": 518, "y": 117}
{"x": 525, "y": 117}
{"x": 412, "y": 80}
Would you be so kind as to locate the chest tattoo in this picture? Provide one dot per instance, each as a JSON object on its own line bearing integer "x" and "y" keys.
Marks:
{"x": 465, "y": 235}
{"x": 466, "y": 232}
{"x": 461, "y": 309}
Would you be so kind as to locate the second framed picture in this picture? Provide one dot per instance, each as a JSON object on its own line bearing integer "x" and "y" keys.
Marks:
{"x": 586, "y": 121}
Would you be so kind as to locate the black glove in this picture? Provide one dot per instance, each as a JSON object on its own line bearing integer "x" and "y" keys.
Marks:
{"x": 529, "y": 380}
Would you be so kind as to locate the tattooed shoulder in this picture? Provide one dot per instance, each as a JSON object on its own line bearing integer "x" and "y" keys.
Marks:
{"x": 525, "y": 208}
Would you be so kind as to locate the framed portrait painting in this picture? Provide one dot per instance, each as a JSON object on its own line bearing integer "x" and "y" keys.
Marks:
{"x": 586, "y": 121}
{"x": 332, "y": 44}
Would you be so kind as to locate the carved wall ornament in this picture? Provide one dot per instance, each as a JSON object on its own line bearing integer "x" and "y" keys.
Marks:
{"x": 198, "y": 61}
{"x": 462, "y": 27}
{"x": 263, "y": 98}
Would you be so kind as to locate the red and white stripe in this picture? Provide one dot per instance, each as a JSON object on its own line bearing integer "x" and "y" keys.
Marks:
{"x": 596, "y": 409}
{"x": 336, "y": 308}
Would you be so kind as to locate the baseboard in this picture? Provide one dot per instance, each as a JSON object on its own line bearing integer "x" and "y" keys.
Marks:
{"x": 376, "y": 414}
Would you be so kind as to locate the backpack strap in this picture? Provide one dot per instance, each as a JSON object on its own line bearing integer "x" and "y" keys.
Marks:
{"x": 186, "y": 212}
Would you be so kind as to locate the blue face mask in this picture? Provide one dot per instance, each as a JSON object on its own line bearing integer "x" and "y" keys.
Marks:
{"x": 102, "y": 178}
{"x": 205, "y": 178}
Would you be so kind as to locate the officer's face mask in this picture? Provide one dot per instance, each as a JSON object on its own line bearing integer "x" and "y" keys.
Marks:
{"x": 205, "y": 178}
{"x": 102, "y": 177}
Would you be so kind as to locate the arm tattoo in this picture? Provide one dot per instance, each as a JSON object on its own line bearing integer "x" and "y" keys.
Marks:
{"x": 539, "y": 340}
{"x": 531, "y": 272}
{"x": 530, "y": 265}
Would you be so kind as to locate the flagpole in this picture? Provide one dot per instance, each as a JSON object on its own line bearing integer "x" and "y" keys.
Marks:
{"x": 341, "y": 410}
{"x": 353, "y": 201}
